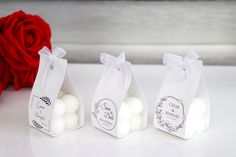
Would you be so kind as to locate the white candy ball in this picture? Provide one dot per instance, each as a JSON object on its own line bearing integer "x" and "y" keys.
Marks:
{"x": 198, "y": 106}
{"x": 200, "y": 123}
{"x": 71, "y": 103}
{"x": 58, "y": 125}
{"x": 71, "y": 120}
{"x": 61, "y": 94}
{"x": 194, "y": 123}
{"x": 124, "y": 112}
{"x": 136, "y": 122}
{"x": 135, "y": 104}
{"x": 59, "y": 108}
{"x": 123, "y": 128}
{"x": 190, "y": 127}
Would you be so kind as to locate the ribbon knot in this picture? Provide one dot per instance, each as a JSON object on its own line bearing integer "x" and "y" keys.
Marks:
{"x": 56, "y": 53}
{"x": 109, "y": 59}
{"x": 181, "y": 63}
{"x": 52, "y": 56}
{"x": 175, "y": 60}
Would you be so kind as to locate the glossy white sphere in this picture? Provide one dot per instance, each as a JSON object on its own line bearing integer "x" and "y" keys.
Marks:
{"x": 123, "y": 128}
{"x": 135, "y": 104}
{"x": 200, "y": 123}
{"x": 136, "y": 122}
{"x": 190, "y": 127}
{"x": 194, "y": 123}
{"x": 58, "y": 125}
{"x": 71, "y": 103}
{"x": 198, "y": 106}
{"x": 124, "y": 112}
{"x": 59, "y": 108}
{"x": 71, "y": 120}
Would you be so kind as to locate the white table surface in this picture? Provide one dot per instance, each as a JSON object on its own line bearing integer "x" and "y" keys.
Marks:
{"x": 18, "y": 139}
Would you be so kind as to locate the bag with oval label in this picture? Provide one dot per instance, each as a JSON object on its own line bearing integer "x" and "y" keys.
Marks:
{"x": 55, "y": 105}
{"x": 118, "y": 105}
{"x": 183, "y": 106}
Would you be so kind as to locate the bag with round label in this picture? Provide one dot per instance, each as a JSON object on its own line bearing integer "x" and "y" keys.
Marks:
{"x": 118, "y": 105}
{"x": 55, "y": 105}
{"x": 183, "y": 106}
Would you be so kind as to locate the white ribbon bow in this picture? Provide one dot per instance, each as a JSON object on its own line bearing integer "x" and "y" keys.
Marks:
{"x": 108, "y": 59}
{"x": 181, "y": 63}
{"x": 52, "y": 56}
{"x": 56, "y": 53}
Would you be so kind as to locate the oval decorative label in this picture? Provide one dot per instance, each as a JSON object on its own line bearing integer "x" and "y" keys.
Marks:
{"x": 105, "y": 113}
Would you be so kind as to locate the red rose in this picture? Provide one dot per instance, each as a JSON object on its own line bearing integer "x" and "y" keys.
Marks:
{"x": 21, "y": 37}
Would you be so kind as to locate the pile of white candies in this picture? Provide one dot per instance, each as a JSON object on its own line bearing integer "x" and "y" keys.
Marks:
{"x": 130, "y": 115}
{"x": 64, "y": 115}
{"x": 196, "y": 119}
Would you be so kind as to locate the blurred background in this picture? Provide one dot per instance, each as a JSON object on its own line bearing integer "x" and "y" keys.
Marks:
{"x": 143, "y": 29}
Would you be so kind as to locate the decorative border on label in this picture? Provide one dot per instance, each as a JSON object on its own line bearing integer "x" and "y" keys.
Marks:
{"x": 46, "y": 100}
{"x": 159, "y": 115}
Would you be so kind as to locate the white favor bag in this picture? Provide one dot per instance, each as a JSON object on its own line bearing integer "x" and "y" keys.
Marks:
{"x": 52, "y": 77}
{"x": 117, "y": 80}
{"x": 183, "y": 106}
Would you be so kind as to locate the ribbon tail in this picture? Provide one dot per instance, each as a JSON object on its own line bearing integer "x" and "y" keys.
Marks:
{"x": 106, "y": 58}
{"x": 192, "y": 55}
{"x": 171, "y": 59}
{"x": 109, "y": 59}
{"x": 44, "y": 51}
{"x": 121, "y": 58}
{"x": 59, "y": 52}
